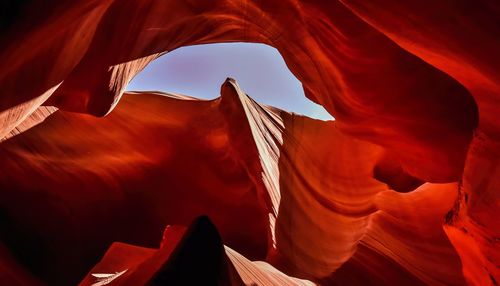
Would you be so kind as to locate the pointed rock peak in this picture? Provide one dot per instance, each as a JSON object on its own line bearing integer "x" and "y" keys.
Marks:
{"x": 230, "y": 79}
{"x": 198, "y": 259}
{"x": 230, "y": 89}
{"x": 232, "y": 97}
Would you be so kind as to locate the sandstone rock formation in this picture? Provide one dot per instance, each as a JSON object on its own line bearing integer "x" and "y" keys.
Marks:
{"x": 402, "y": 189}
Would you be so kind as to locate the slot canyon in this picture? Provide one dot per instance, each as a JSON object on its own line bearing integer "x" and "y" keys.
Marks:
{"x": 101, "y": 185}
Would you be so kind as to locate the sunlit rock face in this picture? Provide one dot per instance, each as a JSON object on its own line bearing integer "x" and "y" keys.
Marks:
{"x": 99, "y": 187}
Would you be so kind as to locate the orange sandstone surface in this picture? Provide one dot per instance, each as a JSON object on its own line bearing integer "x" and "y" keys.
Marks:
{"x": 104, "y": 187}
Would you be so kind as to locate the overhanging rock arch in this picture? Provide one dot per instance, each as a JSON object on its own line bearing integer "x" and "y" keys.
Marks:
{"x": 373, "y": 87}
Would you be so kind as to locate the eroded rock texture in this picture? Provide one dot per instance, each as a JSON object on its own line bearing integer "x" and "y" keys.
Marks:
{"x": 402, "y": 189}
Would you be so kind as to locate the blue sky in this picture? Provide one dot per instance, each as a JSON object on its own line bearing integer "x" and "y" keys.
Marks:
{"x": 200, "y": 70}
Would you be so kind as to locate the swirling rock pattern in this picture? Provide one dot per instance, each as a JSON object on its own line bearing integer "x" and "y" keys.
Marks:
{"x": 401, "y": 189}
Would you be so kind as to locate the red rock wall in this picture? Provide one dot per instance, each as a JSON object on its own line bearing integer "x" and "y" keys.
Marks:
{"x": 413, "y": 86}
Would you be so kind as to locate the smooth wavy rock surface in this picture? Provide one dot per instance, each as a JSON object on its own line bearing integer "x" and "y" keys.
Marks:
{"x": 258, "y": 172}
{"x": 402, "y": 189}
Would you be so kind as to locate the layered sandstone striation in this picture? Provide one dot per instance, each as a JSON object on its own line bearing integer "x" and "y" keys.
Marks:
{"x": 401, "y": 189}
